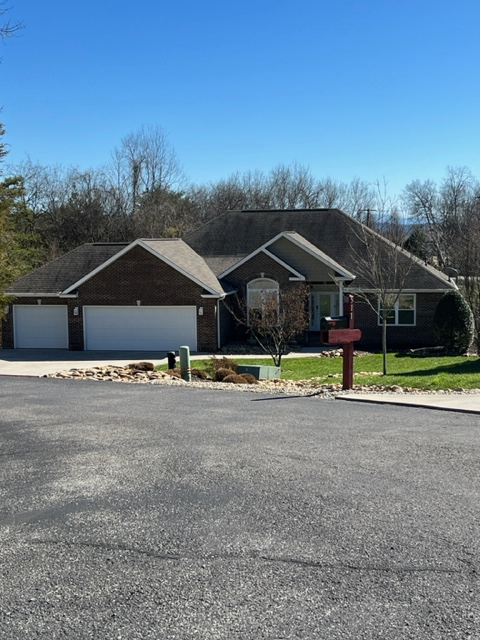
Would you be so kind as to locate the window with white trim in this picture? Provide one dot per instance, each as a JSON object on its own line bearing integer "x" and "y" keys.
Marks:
{"x": 403, "y": 313}
{"x": 261, "y": 291}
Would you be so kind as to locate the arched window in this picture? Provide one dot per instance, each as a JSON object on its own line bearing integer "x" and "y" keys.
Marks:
{"x": 262, "y": 294}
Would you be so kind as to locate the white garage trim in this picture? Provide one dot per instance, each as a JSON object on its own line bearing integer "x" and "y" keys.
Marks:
{"x": 40, "y": 326}
{"x": 139, "y": 328}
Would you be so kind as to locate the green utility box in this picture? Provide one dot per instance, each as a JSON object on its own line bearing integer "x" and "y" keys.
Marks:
{"x": 261, "y": 372}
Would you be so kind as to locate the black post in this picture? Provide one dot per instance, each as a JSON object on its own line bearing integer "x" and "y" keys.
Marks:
{"x": 171, "y": 360}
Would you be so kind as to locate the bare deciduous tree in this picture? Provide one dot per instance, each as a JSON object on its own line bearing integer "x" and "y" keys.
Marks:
{"x": 384, "y": 267}
{"x": 279, "y": 319}
{"x": 145, "y": 161}
{"x": 443, "y": 211}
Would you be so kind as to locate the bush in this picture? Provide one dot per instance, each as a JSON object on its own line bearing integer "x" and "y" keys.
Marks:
{"x": 200, "y": 374}
{"x": 453, "y": 323}
{"x": 235, "y": 378}
{"x": 250, "y": 378}
{"x": 215, "y": 364}
{"x": 222, "y": 373}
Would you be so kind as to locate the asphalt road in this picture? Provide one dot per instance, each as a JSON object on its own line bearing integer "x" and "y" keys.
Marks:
{"x": 137, "y": 511}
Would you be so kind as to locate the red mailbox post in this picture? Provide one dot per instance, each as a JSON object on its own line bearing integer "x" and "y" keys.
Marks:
{"x": 340, "y": 330}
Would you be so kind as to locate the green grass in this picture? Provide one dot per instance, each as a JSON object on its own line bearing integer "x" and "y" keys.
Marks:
{"x": 429, "y": 373}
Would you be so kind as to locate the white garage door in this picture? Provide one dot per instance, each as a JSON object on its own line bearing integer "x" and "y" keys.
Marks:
{"x": 40, "y": 326}
{"x": 139, "y": 328}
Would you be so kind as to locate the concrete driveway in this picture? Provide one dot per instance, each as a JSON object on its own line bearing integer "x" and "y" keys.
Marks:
{"x": 139, "y": 511}
{"x": 38, "y": 362}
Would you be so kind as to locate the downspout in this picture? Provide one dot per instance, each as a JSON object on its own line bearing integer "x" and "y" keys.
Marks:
{"x": 218, "y": 324}
{"x": 219, "y": 337}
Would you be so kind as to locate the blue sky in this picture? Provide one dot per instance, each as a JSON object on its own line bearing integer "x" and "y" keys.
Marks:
{"x": 379, "y": 89}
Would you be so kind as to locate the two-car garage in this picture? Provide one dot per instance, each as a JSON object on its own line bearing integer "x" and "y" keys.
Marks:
{"x": 139, "y": 328}
{"x": 125, "y": 328}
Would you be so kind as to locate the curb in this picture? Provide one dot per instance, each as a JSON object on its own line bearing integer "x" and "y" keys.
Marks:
{"x": 399, "y": 403}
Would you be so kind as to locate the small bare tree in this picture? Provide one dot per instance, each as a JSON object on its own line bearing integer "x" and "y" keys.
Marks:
{"x": 281, "y": 317}
{"x": 384, "y": 267}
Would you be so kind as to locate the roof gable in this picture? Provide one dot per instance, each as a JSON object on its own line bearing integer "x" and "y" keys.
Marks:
{"x": 298, "y": 256}
{"x": 306, "y": 249}
{"x": 295, "y": 274}
{"x": 175, "y": 253}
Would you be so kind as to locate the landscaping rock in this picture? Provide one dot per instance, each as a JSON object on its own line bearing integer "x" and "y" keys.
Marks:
{"x": 314, "y": 387}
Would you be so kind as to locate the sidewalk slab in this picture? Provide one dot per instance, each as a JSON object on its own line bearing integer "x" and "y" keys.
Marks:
{"x": 464, "y": 403}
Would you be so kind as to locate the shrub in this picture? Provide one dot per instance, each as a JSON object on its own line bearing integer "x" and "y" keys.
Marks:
{"x": 215, "y": 364}
{"x": 201, "y": 374}
{"x": 235, "y": 378}
{"x": 142, "y": 366}
{"x": 250, "y": 378}
{"x": 453, "y": 323}
{"x": 222, "y": 373}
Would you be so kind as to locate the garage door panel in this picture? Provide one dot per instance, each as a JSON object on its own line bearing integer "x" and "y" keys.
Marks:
{"x": 139, "y": 328}
{"x": 40, "y": 326}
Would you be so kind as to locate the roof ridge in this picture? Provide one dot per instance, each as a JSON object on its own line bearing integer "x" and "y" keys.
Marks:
{"x": 158, "y": 239}
{"x": 290, "y": 210}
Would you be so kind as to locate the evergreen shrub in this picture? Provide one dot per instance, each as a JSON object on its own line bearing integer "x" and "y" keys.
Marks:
{"x": 453, "y": 323}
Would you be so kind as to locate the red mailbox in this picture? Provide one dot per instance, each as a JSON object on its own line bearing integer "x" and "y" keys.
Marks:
{"x": 341, "y": 336}
{"x": 340, "y": 330}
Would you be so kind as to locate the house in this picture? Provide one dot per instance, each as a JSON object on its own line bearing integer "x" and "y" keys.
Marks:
{"x": 162, "y": 293}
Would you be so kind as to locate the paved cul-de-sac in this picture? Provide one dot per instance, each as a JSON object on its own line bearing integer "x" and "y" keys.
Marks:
{"x": 142, "y": 511}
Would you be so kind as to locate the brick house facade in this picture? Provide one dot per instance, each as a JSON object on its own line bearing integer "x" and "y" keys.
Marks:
{"x": 159, "y": 293}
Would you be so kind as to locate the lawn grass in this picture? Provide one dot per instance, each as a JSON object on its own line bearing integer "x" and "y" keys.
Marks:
{"x": 429, "y": 373}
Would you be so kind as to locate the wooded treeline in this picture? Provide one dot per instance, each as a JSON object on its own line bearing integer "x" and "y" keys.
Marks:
{"x": 143, "y": 192}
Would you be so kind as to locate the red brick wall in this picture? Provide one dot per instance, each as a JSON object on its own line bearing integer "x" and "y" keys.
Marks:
{"x": 254, "y": 268}
{"x": 7, "y": 330}
{"x": 139, "y": 275}
{"x": 260, "y": 266}
{"x": 420, "y": 335}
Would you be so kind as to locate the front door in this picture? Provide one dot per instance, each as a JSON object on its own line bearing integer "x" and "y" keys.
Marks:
{"x": 322, "y": 304}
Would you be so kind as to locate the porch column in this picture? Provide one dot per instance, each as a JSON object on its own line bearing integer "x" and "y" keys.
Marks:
{"x": 340, "y": 302}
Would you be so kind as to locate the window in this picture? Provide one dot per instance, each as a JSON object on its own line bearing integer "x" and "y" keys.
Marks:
{"x": 403, "y": 312}
{"x": 260, "y": 292}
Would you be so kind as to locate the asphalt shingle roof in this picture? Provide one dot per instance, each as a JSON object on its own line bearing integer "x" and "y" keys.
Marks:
{"x": 58, "y": 275}
{"x": 178, "y": 253}
{"x": 330, "y": 230}
{"x": 63, "y": 273}
{"x": 217, "y": 245}
{"x": 315, "y": 250}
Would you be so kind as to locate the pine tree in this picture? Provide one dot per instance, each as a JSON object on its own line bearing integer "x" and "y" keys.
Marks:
{"x": 19, "y": 252}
